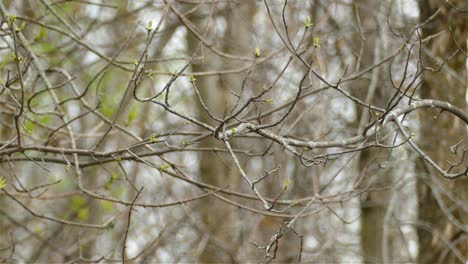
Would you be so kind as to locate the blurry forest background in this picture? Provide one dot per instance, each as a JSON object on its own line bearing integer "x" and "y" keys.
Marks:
{"x": 233, "y": 131}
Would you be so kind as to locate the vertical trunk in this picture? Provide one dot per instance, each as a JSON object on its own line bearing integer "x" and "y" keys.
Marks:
{"x": 440, "y": 131}
{"x": 373, "y": 90}
{"x": 218, "y": 218}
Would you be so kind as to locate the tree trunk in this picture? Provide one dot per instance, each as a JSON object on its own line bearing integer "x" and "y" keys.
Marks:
{"x": 442, "y": 240}
{"x": 371, "y": 160}
{"x": 219, "y": 218}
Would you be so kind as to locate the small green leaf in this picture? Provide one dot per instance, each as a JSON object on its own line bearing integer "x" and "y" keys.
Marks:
{"x": 234, "y": 130}
{"x": 83, "y": 213}
{"x": 401, "y": 47}
{"x": 3, "y": 182}
{"x": 108, "y": 185}
{"x": 46, "y": 47}
{"x": 192, "y": 78}
{"x": 41, "y": 35}
{"x": 67, "y": 168}
{"x": 14, "y": 58}
{"x": 413, "y": 135}
{"x": 11, "y": 19}
{"x": 154, "y": 138}
{"x": 107, "y": 110}
{"x": 269, "y": 100}
{"x": 150, "y": 25}
{"x": 317, "y": 42}
{"x": 30, "y": 126}
{"x": 5, "y": 62}
{"x": 164, "y": 167}
{"x": 258, "y": 53}
{"x": 287, "y": 183}
{"x": 132, "y": 115}
{"x": 78, "y": 202}
{"x": 38, "y": 230}
{"x": 21, "y": 27}
{"x": 111, "y": 181}
{"x": 150, "y": 75}
{"x": 110, "y": 226}
{"x": 106, "y": 205}
{"x": 308, "y": 22}
{"x": 135, "y": 61}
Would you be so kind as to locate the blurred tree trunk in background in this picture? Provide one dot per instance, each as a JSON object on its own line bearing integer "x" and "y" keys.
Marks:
{"x": 238, "y": 40}
{"x": 372, "y": 162}
{"x": 219, "y": 218}
{"x": 442, "y": 199}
